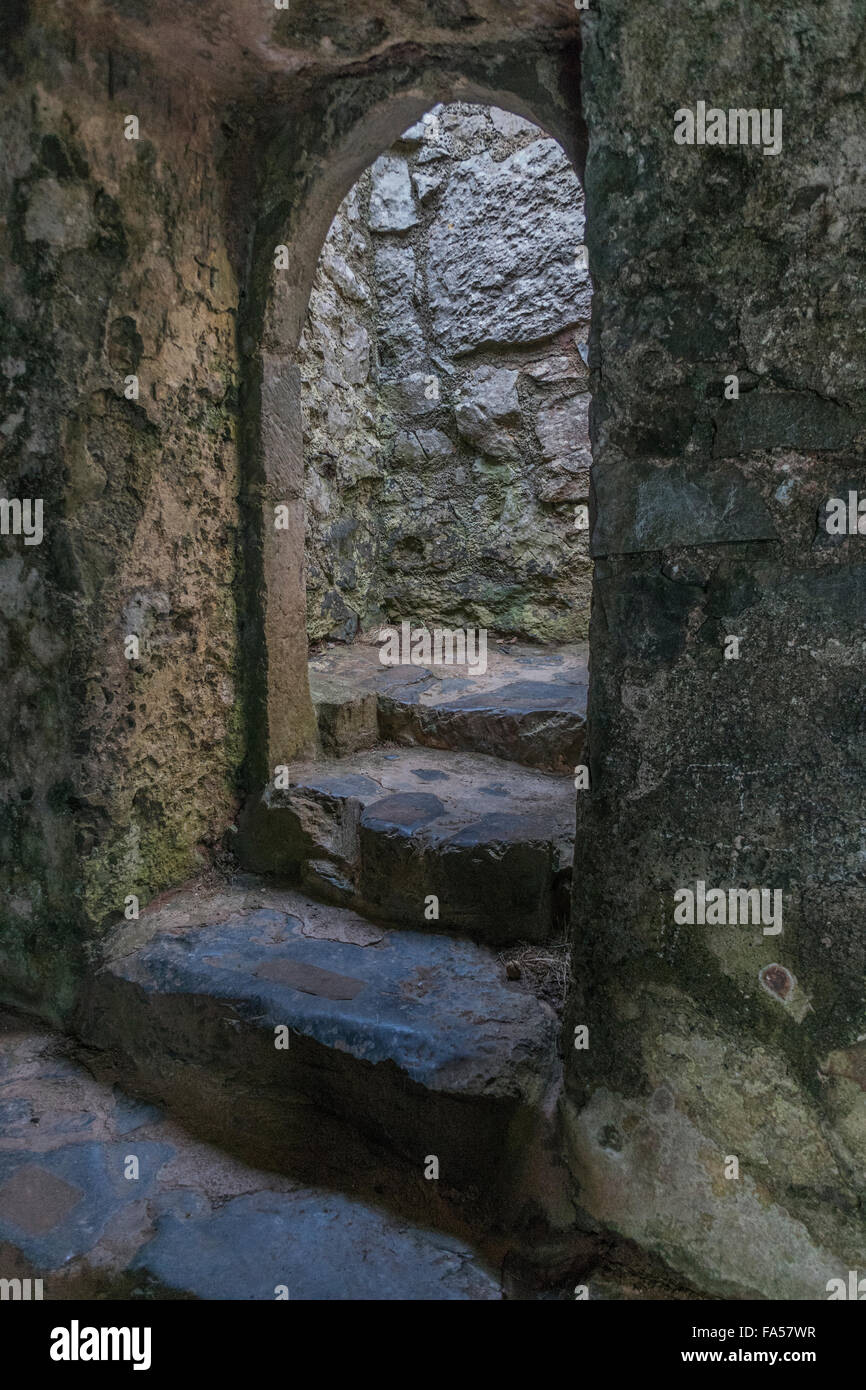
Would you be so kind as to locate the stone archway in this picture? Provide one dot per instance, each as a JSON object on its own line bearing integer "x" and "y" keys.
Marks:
{"x": 303, "y": 208}
{"x": 711, "y": 266}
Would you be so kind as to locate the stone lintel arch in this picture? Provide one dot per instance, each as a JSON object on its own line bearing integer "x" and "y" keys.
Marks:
{"x": 297, "y": 215}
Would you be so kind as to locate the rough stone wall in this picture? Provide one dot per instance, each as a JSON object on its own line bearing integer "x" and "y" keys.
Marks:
{"x": 446, "y": 397}
{"x": 706, "y": 261}
{"x": 738, "y": 770}
{"x": 121, "y": 257}
{"x": 342, "y": 452}
{"x": 114, "y": 773}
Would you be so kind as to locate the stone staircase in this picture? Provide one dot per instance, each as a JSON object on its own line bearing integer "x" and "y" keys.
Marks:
{"x": 529, "y": 705}
{"x": 350, "y": 1013}
{"x": 387, "y": 830}
{"x": 406, "y": 1041}
{"x": 105, "y": 1197}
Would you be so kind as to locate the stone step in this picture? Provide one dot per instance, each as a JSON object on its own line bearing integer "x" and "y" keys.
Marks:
{"x": 405, "y": 834}
{"x": 417, "y": 1043}
{"x": 193, "y": 1222}
{"x": 528, "y": 706}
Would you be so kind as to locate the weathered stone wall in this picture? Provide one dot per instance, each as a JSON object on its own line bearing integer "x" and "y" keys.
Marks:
{"x": 139, "y": 257}
{"x": 116, "y": 772}
{"x": 445, "y": 394}
{"x": 343, "y": 472}
{"x": 740, "y": 771}
{"x": 705, "y": 262}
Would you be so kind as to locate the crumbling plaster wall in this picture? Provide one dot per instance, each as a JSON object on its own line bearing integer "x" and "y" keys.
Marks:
{"x": 445, "y": 392}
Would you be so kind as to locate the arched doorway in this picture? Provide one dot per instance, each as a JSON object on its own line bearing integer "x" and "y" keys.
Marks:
{"x": 297, "y": 222}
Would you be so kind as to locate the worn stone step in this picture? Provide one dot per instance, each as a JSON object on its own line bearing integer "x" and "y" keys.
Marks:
{"x": 416, "y": 1042}
{"x": 427, "y": 839}
{"x": 528, "y": 706}
{"x": 192, "y": 1222}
